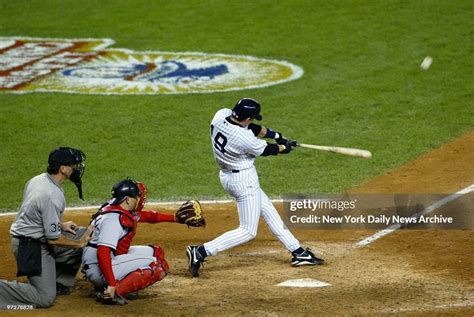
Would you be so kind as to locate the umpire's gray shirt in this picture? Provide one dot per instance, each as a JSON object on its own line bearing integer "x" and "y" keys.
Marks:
{"x": 40, "y": 213}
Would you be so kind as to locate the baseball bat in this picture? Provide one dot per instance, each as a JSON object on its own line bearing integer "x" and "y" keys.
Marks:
{"x": 340, "y": 150}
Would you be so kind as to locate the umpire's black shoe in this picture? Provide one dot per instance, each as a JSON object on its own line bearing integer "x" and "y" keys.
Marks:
{"x": 305, "y": 258}
{"x": 62, "y": 290}
{"x": 195, "y": 259}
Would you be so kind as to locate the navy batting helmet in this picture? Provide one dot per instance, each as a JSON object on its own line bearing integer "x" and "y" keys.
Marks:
{"x": 124, "y": 189}
{"x": 247, "y": 108}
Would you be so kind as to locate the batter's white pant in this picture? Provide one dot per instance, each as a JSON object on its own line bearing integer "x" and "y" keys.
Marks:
{"x": 252, "y": 203}
{"x": 138, "y": 257}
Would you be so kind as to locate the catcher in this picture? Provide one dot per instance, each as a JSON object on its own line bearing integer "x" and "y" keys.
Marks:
{"x": 110, "y": 262}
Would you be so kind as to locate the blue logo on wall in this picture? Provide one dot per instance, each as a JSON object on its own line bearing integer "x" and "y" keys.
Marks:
{"x": 174, "y": 70}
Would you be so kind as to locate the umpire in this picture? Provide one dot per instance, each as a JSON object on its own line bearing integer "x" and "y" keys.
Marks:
{"x": 47, "y": 250}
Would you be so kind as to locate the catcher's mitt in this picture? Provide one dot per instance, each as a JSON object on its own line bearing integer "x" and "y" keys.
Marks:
{"x": 190, "y": 213}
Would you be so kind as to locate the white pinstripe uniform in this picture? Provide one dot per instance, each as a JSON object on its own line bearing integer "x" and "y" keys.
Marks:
{"x": 235, "y": 150}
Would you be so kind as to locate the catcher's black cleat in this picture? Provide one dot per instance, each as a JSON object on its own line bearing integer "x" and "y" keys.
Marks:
{"x": 117, "y": 300}
{"x": 305, "y": 258}
{"x": 195, "y": 259}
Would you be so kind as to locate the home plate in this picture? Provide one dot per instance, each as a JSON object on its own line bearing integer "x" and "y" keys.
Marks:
{"x": 303, "y": 282}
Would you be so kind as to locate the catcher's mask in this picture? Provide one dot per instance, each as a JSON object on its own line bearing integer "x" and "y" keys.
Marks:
{"x": 124, "y": 189}
{"x": 142, "y": 198}
{"x": 72, "y": 157}
{"x": 247, "y": 108}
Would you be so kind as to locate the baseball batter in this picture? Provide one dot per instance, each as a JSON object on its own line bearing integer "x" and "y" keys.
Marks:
{"x": 236, "y": 143}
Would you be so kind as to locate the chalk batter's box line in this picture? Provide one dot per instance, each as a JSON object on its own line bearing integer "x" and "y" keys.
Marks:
{"x": 151, "y": 204}
{"x": 424, "y": 212}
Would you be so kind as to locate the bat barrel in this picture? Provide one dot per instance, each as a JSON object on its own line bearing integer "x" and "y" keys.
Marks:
{"x": 339, "y": 150}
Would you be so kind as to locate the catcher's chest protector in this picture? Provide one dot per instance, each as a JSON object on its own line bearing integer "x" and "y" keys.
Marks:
{"x": 129, "y": 222}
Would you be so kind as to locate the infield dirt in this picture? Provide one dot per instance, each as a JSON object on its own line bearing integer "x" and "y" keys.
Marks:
{"x": 410, "y": 272}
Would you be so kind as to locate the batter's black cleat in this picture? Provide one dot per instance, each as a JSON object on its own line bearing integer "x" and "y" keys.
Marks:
{"x": 195, "y": 260}
{"x": 305, "y": 258}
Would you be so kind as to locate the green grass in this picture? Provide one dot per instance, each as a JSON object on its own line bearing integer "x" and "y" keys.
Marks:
{"x": 362, "y": 88}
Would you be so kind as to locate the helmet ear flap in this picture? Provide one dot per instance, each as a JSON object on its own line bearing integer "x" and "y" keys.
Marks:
{"x": 142, "y": 198}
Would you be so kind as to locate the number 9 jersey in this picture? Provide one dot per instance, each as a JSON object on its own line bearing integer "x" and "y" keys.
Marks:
{"x": 235, "y": 147}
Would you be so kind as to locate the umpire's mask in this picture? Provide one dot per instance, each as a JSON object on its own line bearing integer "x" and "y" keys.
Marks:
{"x": 73, "y": 157}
